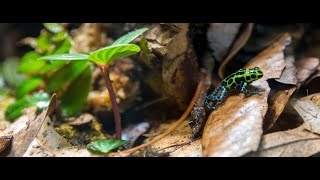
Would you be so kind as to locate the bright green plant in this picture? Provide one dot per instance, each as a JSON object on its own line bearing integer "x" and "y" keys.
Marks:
{"x": 102, "y": 58}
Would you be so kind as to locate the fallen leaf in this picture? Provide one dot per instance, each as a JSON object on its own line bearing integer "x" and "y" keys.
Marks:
{"x": 177, "y": 144}
{"x": 289, "y": 75}
{"x": 22, "y": 139}
{"x": 315, "y": 98}
{"x": 50, "y": 143}
{"x": 220, "y": 37}
{"x": 236, "y": 47}
{"x": 306, "y": 67}
{"x": 312, "y": 84}
{"x": 133, "y": 132}
{"x": 4, "y": 143}
{"x": 309, "y": 112}
{"x": 297, "y": 142}
{"x": 236, "y": 127}
{"x": 278, "y": 99}
{"x": 82, "y": 119}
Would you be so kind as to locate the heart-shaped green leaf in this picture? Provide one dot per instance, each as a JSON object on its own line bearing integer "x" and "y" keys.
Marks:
{"x": 105, "y": 145}
{"x": 41, "y": 100}
{"x": 126, "y": 39}
{"x": 75, "y": 97}
{"x": 28, "y": 86}
{"x": 65, "y": 57}
{"x": 106, "y": 55}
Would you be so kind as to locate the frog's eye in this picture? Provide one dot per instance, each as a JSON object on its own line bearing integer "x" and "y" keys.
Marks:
{"x": 256, "y": 68}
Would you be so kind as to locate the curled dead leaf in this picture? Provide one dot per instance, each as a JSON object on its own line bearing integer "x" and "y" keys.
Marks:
{"x": 289, "y": 74}
{"x": 236, "y": 127}
{"x": 306, "y": 67}
{"x": 278, "y": 100}
{"x": 24, "y": 137}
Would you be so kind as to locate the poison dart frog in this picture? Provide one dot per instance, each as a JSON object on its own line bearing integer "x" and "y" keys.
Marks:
{"x": 236, "y": 81}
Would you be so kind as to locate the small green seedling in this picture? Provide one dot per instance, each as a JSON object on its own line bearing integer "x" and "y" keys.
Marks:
{"x": 102, "y": 58}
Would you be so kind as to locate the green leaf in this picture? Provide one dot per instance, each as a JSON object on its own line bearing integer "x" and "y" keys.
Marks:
{"x": 10, "y": 72}
{"x": 64, "y": 47}
{"x": 29, "y": 63}
{"x": 65, "y": 57}
{"x": 54, "y": 27}
{"x": 126, "y": 39}
{"x": 28, "y": 86}
{"x": 66, "y": 74}
{"x": 52, "y": 66}
{"x": 105, "y": 145}
{"x": 109, "y": 53}
{"x": 60, "y": 36}
{"x": 40, "y": 100}
{"x": 75, "y": 97}
{"x": 43, "y": 41}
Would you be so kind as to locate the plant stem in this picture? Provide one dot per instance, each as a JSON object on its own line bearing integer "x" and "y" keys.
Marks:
{"x": 115, "y": 108}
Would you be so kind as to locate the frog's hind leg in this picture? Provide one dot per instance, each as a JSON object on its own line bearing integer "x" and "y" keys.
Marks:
{"x": 214, "y": 97}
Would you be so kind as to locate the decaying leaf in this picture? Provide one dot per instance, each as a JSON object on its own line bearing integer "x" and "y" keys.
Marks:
{"x": 292, "y": 143}
{"x": 220, "y": 37}
{"x": 309, "y": 112}
{"x": 83, "y": 119}
{"x": 301, "y": 141}
{"x": 50, "y": 143}
{"x": 5, "y": 141}
{"x": 133, "y": 132}
{"x": 278, "y": 100}
{"x": 24, "y": 137}
{"x": 179, "y": 143}
{"x": 289, "y": 74}
{"x": 315, "y": 98}
{"x": 306, "y": 67}
{"x": 236, "y": 47}
{"x": 236, "y": 127}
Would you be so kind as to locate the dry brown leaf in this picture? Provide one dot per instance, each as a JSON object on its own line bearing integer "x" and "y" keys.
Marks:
{"x": 315, "y": 98}
{"x": 5, "y": 141}
{"x": 22, "y": 139}
{"x": 236, "y": 47}
{"x": 297, "y": 142}
{"x": 278, "y": 102}
{"x": 309, "y": 112}
{"x": 83, "y": 119}
{"x": 177, "y": 144}
{"x": 289, "y": 75}
{"x": 50, "y": 143}
{"x": 236, "y": 128}
{"x": 306, "y": 67}
{"x": 220, "y": 37}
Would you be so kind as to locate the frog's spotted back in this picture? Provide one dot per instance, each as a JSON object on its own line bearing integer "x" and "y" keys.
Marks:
{"x": 236, "y": 79}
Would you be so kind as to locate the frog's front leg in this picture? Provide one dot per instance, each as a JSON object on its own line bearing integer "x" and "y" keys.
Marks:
{"x": 246, "y": 91}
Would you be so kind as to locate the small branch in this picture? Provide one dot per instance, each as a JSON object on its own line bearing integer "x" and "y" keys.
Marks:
{"x": 115, "y": 108}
